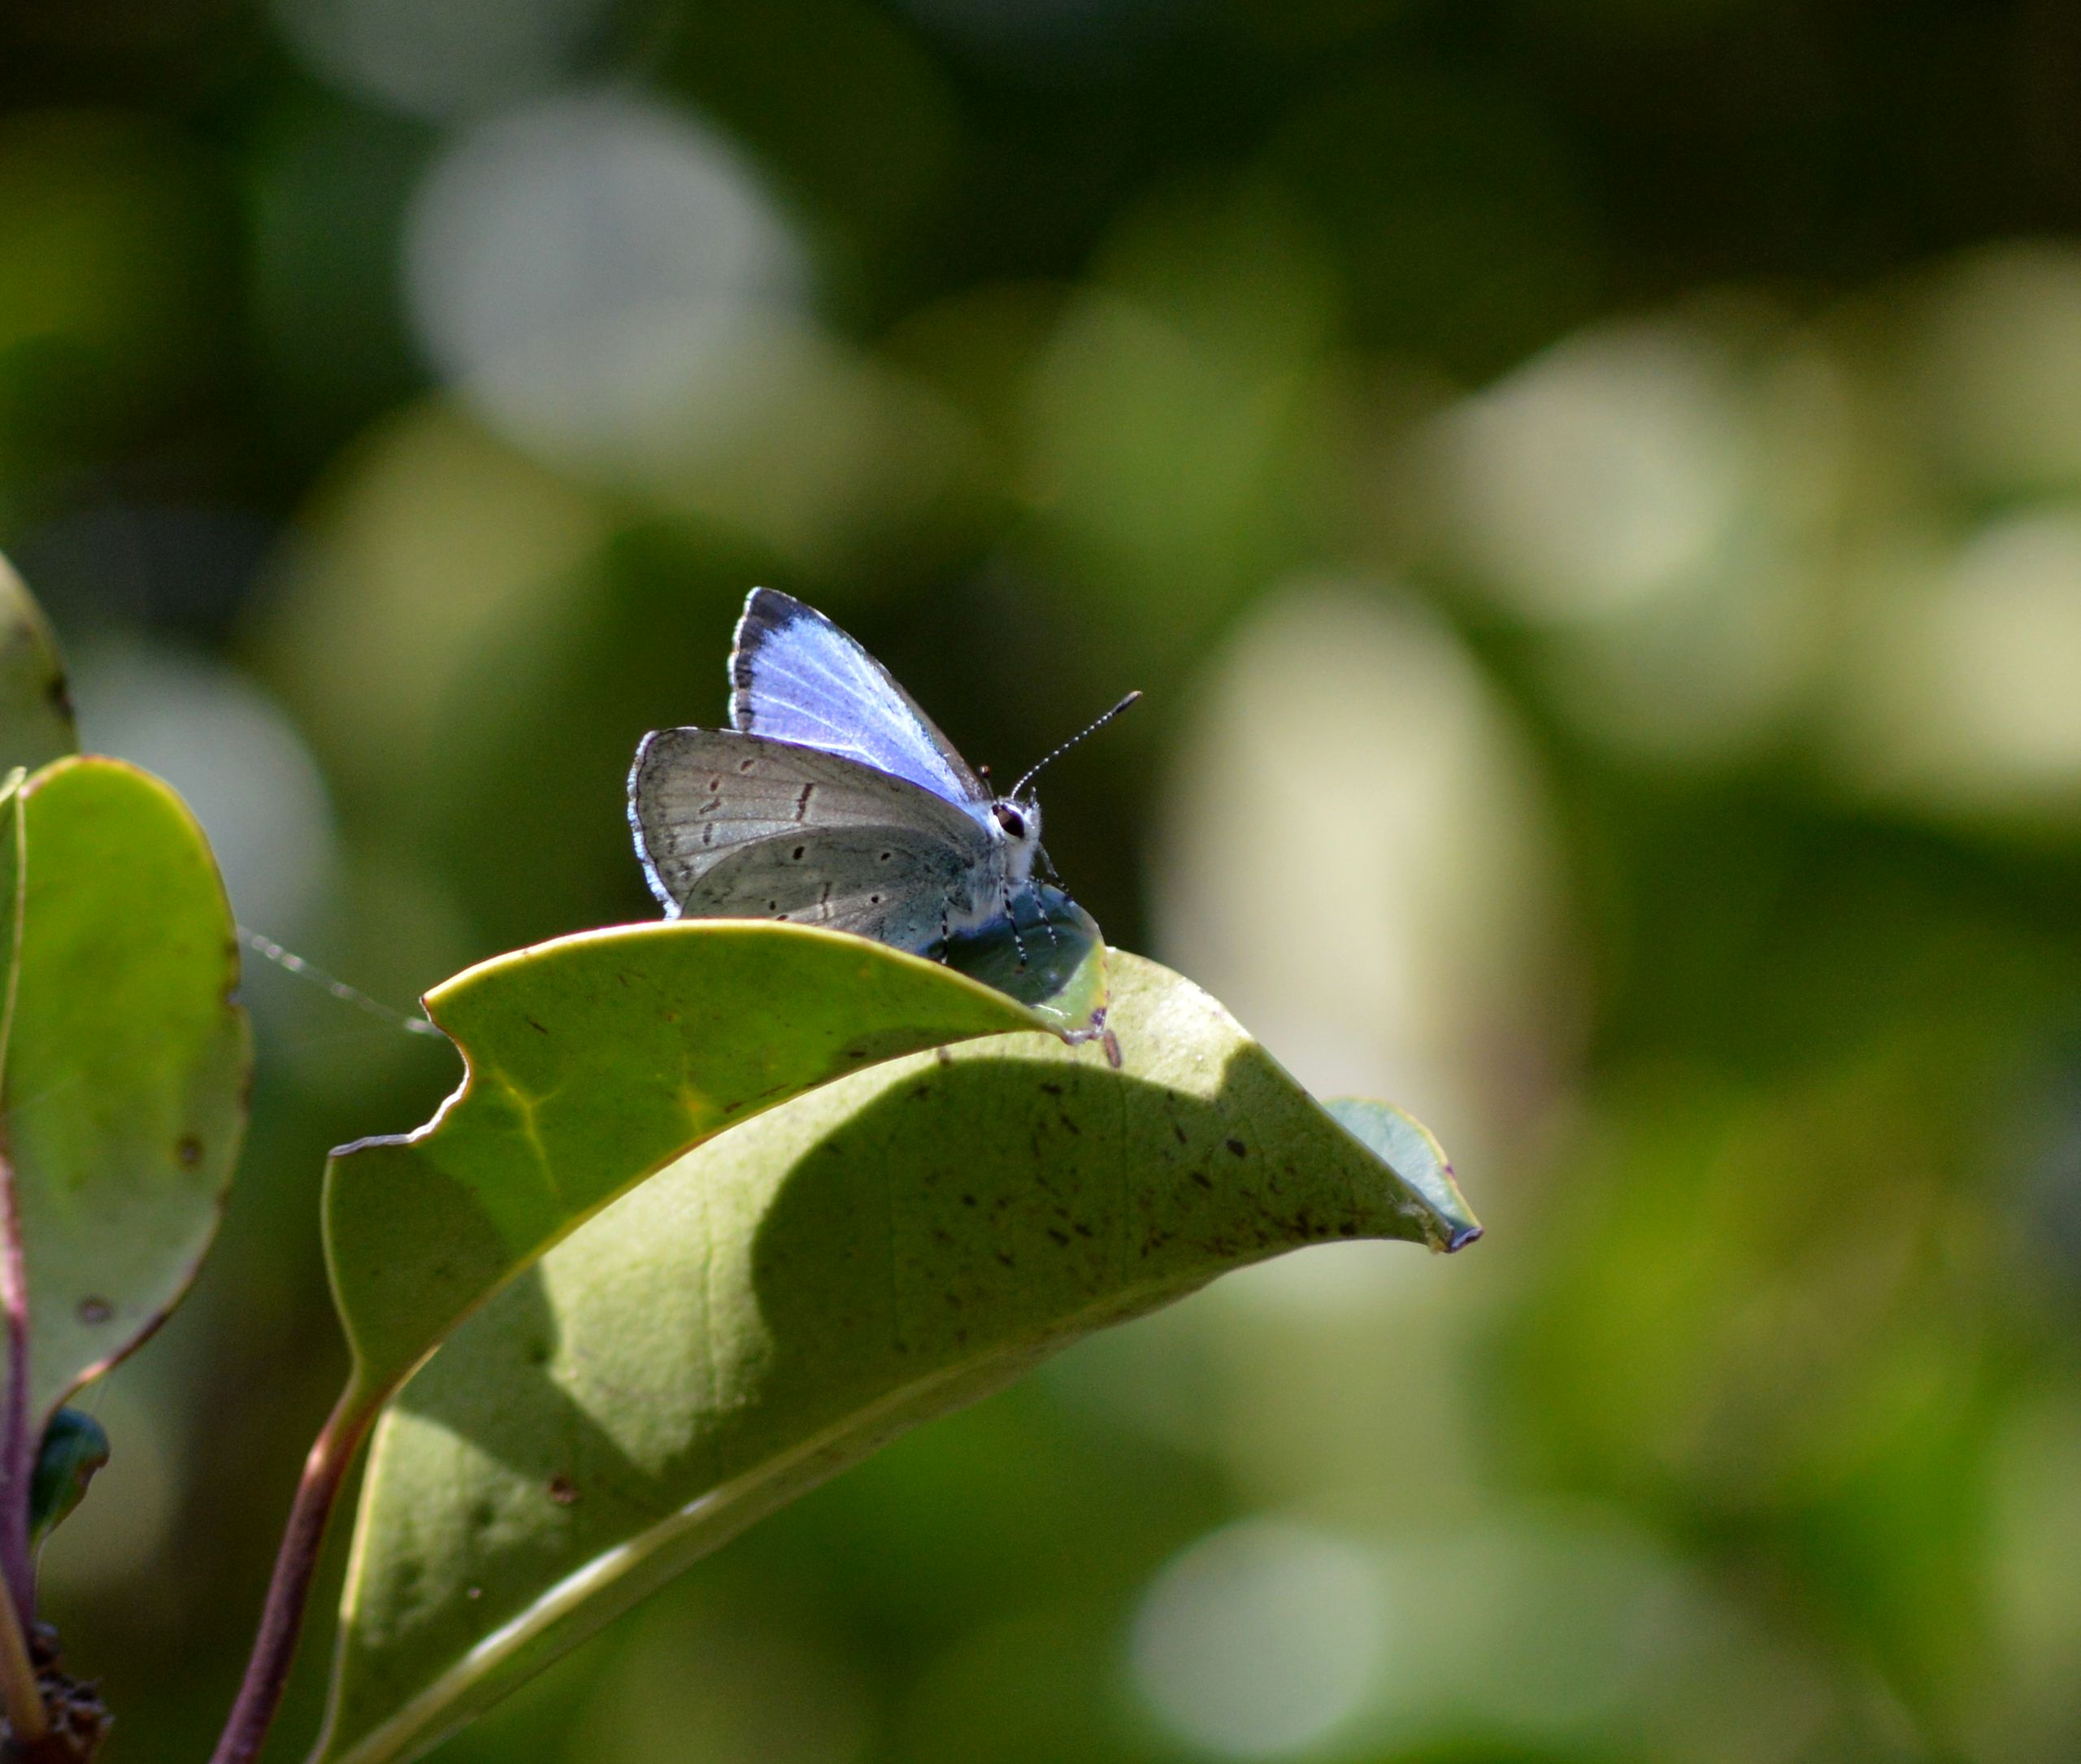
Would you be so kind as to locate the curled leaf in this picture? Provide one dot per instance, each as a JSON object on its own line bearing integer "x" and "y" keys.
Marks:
{"x": 797, "y": 1293}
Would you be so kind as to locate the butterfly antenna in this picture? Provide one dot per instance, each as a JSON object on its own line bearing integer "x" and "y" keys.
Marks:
{"x": 339, "y": 989}
{"x": 1034, "y": 772}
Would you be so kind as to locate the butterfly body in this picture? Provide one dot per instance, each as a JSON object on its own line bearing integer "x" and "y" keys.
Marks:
{"x": 831, "y": 800}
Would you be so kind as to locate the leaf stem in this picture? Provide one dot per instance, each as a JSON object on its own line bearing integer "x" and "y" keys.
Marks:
{"x": 17, "y": 1448}
{"x": 20, "y": 1695}
{"x": 296, "y": 1565}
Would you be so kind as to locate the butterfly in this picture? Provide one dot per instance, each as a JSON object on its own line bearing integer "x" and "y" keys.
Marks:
{"x": 831, "y": 800}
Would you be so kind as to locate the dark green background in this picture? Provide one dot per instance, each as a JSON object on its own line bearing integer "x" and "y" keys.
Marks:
{"x": 1592, "y": 490}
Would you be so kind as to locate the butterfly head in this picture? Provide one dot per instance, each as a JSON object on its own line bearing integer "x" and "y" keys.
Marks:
{"x": 1017, "y": 824}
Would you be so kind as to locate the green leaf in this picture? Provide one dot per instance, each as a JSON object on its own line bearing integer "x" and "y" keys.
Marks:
{"x": 1412, "y": 1151}
{"x": 35, "y": 714}
{"x": 593, "y": 1060}
{"x": 123, "y": 1064}
{"x": 781, "y": 1303}
{"x": 590, "y": 1063}
{"x": 75, "y": 1446}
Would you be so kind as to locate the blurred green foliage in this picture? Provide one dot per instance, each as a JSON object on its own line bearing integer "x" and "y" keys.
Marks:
{"x": 1592, "y": 489}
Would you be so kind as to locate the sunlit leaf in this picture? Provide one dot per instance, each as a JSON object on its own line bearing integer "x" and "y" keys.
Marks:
{"x": 793, "y": 1295}
{"x": 1412, "y": 1151}
{"x": 593, "y": 1060}
{"x": 125, "y": 1064}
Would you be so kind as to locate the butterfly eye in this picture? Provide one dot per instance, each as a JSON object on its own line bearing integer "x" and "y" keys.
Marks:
{"x": 1010, "y": 820}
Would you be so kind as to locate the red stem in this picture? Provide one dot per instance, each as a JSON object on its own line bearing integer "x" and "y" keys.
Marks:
{"x": 288, "y": 1592}
{"x": 17, "y": 1448}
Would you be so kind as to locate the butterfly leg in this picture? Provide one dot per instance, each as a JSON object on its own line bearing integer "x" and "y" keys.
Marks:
{"x": 1011, "y": 919}
{"x": 1055, "y": 877}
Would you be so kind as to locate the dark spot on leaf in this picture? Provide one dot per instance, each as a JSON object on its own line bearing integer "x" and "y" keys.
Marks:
{"x": 968, "y": 1200}
{"x": 799, "y": 850}
{"x": 1061, "y": 1237}
{"x": 1052, "y": 1090}
{"x": 538, "y": 1353}
{"x": 563, "y": 1491}
{"x": 744, "y": 765}
{"x": 188, "y": 1151}
{"x": 482, "y": 1514}
{"x": 1176, "y": 1128}
{"x": 1237, "y": 1147}
{"x": 1202, "y": 1179}
{"x": 95, "y": 1310}
{"x": 1005, "y": 1256}
{"x": 537, "y": 1027}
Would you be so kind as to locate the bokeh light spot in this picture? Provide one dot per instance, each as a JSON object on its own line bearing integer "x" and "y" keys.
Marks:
{"x": 1356, "y": 859}
{"x": 595, "y": 267}
{"x": 1262, "y": 1639}
{"x": 229, "y": 749}
{"x": 2001, "y": 366}
{"x": 1601, "y": 475}
{"x": 1963, "y": 697}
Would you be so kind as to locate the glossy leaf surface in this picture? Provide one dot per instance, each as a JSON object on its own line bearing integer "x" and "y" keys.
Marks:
{"x": 781, "y": 1303}
{"x": 123, "y": 1090}
{"x": 593, "y": 1060}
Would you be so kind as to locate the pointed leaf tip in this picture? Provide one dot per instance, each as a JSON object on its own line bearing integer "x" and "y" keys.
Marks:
{"x": 1410, "y": 1149}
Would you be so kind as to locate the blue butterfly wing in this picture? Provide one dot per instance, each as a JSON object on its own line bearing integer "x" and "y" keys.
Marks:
{"x": 795, "y": 676}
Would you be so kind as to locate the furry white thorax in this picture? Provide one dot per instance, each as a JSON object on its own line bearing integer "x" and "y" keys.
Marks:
{"x": 1015, "y": 831}
{"x": 1017, "y": 825}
